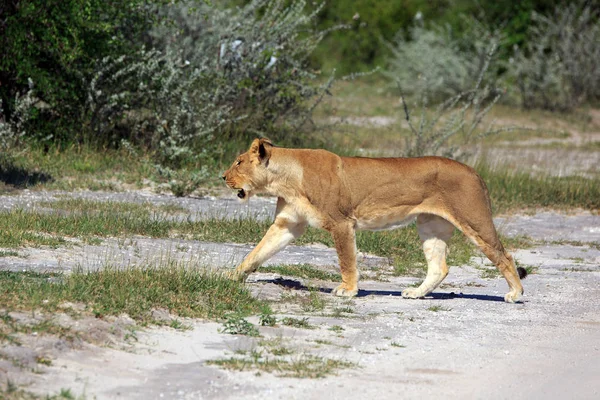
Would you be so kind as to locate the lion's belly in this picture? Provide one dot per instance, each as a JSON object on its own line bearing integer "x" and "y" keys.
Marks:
{"x": 384, "y": 222}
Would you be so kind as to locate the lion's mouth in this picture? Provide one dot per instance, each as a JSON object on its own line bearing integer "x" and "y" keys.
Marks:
{"x": 241, "y": 194}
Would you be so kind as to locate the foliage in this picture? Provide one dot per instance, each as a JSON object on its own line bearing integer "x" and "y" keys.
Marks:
{"x": 297, "y": 322}
{"x": 254, "y": 58}
{"x": 180, "y": 83}
{"x": 266, "y": 318}
{"x": 235, "y": 324}
{"x": 12, "y": 130}
{"x": 153, "y": 100}
{"x": 558, "y": 67}
{"x": 54, "y": 43}
{"x": 184, "y": 291}
{"x": 456, "y": 120}
{"x": 439, "y": 60}
{"x": 359, "y": 47}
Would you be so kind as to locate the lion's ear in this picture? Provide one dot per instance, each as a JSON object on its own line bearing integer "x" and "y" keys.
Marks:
{"x": 261, "y": 148}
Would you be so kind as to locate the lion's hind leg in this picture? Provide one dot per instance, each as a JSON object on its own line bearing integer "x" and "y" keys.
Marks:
{"x": 435, "y": 233}
{"x": 486, "y": 238}
{"x": 506, "y": 265}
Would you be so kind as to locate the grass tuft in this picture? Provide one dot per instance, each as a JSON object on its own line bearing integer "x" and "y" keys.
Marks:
{"x": 297, "y": 323}
{"x": 235, "y": 324}
{"x": 303, "y": 366}
{"x": 186, "y": 292}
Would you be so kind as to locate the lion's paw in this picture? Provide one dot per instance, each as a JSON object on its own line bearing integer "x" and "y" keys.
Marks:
{"x": 236, "y": 275}
{"x": 412, "y": 293}
{"x": 344, "y": 291}
{"x": 512, "y": 297}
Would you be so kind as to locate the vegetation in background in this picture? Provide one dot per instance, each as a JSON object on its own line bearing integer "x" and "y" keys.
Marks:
{"x": 456, "y": 121}
{"x": 361, "y": 48}
{"x": 558, "y": 66}
{"x": 441, "y": 63}
{"x": 182, "y": 85}
{"x": 53, "y": 46}
{"x": 201, "y": 76}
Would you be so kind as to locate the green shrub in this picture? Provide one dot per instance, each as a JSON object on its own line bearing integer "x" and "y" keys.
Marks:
{"x": 439, "y": 60}
{"x": 54, "y": 44}
{"x": 214, "y": 75}
{"x": 254, "y": 59}
{"x": 456, "y": 121}
{"x": 359, "y": 48}
{"x": 235, "y": 324}
{"x": 558, "y": 68}
{"x": 181, "y": 88}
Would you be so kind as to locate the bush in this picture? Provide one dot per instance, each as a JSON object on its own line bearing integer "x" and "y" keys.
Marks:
{"x": 438, "y": 60}
{"x": 214, "y": 75}
{"x": 559, "y": 68}
{"x": 254, "y": 58}
{"x": 456, "y": 120}
{"x": 205, "y": 79}
{"x": 359, "y": 48}
{"x": 54, "y": 44}
{"x": 154, "y": 101}
{"x": 12, "y": 130}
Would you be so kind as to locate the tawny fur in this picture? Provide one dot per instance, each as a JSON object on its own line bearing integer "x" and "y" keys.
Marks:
{"x": 342, "y": 194}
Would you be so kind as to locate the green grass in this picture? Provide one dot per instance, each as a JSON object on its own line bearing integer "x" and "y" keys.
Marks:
{"x": 315, "y": 301}
{"x": 87, "y": 167}
{"x": 13, "y": 392}
{"x": 341, "y": 312}
{"x": 185, "y": 292}
{"x": 72, "y": 168}
{"x": 302, "y": 366}
{"x": 402, "y": 246}
{"x": 297, "y": 322}
{"x": 510, "y": 190}
{"x": 74, "y": 205}
{"x": 438, "y": 308}
{"x": 88, "y": 220}
{"x": 8, "y": 253}
{"x": 489, "y": 273}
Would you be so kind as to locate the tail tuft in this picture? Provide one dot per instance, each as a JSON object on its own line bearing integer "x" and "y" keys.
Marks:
{"x": 522, "y": 272}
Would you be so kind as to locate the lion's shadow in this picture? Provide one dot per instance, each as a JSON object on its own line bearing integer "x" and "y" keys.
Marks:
{"x": 297, "y": 285}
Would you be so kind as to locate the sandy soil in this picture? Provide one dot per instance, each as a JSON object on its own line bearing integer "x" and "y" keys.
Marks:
{"x": 463, "y": 341}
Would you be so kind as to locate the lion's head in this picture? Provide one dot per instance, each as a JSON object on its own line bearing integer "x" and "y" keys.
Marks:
{"x": 248, "y": 172}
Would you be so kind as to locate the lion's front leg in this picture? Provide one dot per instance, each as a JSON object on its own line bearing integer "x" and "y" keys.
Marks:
{"x": 345, "y": 244}
{"x": 277, "y": 237}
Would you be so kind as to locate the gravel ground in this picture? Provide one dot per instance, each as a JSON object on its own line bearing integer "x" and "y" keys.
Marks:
{"x": 461, "y": 342}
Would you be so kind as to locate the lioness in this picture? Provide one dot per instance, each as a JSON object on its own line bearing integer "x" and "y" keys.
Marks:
{"x": 343, "y": 194}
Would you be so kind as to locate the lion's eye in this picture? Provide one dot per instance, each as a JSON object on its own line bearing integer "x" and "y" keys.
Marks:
{"x": 238, "y": 162}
